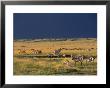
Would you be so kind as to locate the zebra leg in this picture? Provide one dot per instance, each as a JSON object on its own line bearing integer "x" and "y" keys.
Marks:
{"x": 86, "y": 62}
{"x": 75, "y": 63}
{"x": 81, "y": 63}
{"x": 93, "y": 61}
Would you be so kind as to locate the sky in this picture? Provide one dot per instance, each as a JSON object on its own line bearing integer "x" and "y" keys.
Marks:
{"x": 55, "y": 25}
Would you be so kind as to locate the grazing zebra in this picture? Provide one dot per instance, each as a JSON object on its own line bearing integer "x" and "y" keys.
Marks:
{"x": 66, "y": 55}
{"x": 50, "y": 55}
{"x": 90, "y": 59}
{"x": 77, "y": 59}
{"x": 20, "y": 51}
{"x": 57, "y": 52}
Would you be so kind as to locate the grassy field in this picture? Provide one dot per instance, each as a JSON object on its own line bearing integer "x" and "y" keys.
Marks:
{"x": 55, "y": 66}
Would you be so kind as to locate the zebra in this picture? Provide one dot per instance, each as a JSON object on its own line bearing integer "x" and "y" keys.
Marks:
{"x": 66, "y": 55}
{"x": 50, "y": 55}
{"x": 90, "y": 59}
{"x": 78, "y": 58}
{"x": 57, "y": 52}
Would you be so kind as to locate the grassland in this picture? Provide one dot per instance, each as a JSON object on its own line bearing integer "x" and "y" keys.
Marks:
{"x": 55, "y": 66}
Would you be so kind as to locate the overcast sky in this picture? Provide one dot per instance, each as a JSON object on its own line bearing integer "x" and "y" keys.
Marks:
{"x": 55, "y": 25}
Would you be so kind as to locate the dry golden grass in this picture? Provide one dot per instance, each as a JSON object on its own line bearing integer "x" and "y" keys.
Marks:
{"x": 46, "y": 66}
{"x": 50, "y": 46}
{"x": 55, "y": 66}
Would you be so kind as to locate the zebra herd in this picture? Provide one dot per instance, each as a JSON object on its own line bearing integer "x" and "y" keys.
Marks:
{"x": 57, "y": 52}
{"x": 76, "y": 58}
{"x": 34, "y": 51}
{"x": 81, "y": 58}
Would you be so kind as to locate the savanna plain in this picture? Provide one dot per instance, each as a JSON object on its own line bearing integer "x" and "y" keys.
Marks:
{"x": 38, "y": 56}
